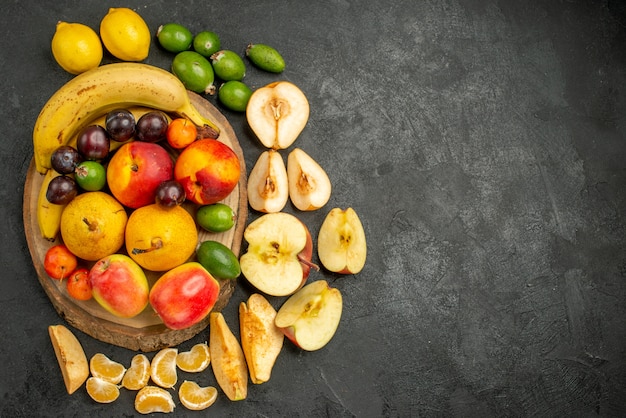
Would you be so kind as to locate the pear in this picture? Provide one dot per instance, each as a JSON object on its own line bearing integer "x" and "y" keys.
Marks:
{"x": 227, "y": 359}
{"x": 309, "y": 185}
{"x": 268, "y": 187}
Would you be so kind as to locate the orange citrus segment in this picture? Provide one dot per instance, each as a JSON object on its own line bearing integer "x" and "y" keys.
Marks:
{"x": 102, "y": 391}
{"x": 195, "y": 360}
{"x": 138, "y": 373}
{"x": 153, "y": 399}
{"x": 106, "y": 369}
{"x": 163, "y": 367}
{"x": 196, "y": 398}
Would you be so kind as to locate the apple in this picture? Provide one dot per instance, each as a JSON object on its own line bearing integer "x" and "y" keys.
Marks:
{"x": 119, "y": 285}
{"x": 278, "y": 258}
{"x": 227, "y": 359}
{"x": 208, "y": 170}
{"x": 136, "y": 170}
{"x": 341, "y": 244}
{"x": 261, "y": 339}
{"x": 310, "y": 317}
{"x": 59, "y": 262}
{"x": 268, "y": 187}
{"x": 184, "y": 295}
{"x": 309, "y": 185}
{"x": 277, "y": 113}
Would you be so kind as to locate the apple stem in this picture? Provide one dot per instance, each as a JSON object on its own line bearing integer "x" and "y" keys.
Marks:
{"x": 308, "y": 263}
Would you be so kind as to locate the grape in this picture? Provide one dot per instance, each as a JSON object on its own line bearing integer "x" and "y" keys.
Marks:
{"x": 61, "y": 190}
{"x": 152, "y": 127}
{"x": 120, "y": 124}
{"x": 65, "y": 159}
{"x": 93, "y": 142}
{"x": 170, "y": 193}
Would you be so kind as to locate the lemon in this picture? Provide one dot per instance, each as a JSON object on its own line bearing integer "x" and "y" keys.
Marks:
{"x": 76, "y": 47}
{"x": 125, "y": 34}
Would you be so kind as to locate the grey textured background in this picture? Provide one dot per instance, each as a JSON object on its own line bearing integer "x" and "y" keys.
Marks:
{"x": 483, "y": 145}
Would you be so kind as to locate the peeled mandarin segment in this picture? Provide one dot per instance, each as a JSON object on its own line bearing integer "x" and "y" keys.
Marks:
{"x": 163, "y": 368}
{"x": 153, "y": 399}
{"x": 196, "y": 398}
{"x": 102, "y": 391}
{"x": 106, "y": 369}
{"x": 138, "y": 374}
{"x": 71, "y": 357}
{"x": 195, "y": 360}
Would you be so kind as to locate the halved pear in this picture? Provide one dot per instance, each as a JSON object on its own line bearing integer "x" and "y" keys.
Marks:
{"x": 341, "y": 244}
{"x": 277, "y": 113}
{"x": 268, "y": 187}
{"x": 309, "y": 185}
{"x": 71, "y": 357}
{"x": 261, "y": 339}
{"x": 227, "y": 359}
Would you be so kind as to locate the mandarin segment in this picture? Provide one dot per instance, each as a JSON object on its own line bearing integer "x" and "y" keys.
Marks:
{"x": 138, "y": 374}
{"x": 196, "y": 398}
{"x": 195, "y": 360}
{"x": 153, "y": 399}
{"x": 163, "y": 367}
{"x": 106, "y": 369}
{"x": 102, "y": 391}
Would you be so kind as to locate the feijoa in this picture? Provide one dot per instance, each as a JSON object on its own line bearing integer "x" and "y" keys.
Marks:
{"x": 194, "y": 71}
{"x": 91, "y": 176}
{"x": 265, "y": 57}
{"x": 234, "y": 95}
{"x": 206, "y": 43}
{"x": 228, "y": 65}
{"x": 218, "y": 259}
{"x": 217, "y": 217}
{"x": 174, "y": 37}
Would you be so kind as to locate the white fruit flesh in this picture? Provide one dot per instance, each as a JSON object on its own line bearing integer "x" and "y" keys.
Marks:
{"x": 268, "y": 187}
{"x": 309, "y": 185}
{"x": 342, "y": 247}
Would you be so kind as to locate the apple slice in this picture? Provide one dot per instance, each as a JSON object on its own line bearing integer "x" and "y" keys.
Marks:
{"x": 268, "y": 188}
{"x": 278, "y": 258}
{"x": 310, "y": 317}
{"x": 71, "y": 357}
{"x": 341, "y": 244}
{"x": 277, "y": 113}
{"x": 309, "y": 185}
{"x": 261, "y": 340}
{"x": 227, "y": 359}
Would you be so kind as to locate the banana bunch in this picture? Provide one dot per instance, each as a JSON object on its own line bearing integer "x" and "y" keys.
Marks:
{"x": 93, "y": 93}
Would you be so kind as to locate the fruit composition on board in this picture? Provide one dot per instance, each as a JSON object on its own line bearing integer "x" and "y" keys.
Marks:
{"x": 134, "y": 178}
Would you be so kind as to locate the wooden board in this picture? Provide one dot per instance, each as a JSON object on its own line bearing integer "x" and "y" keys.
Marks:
{"x": 146, "y": 331}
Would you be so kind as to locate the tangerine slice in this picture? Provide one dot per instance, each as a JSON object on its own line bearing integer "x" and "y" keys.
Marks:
{"x": 151, "y": 399}
{"x": 163, "y": 367}
{"x": 195, "y": 360}
{"x": 196, "y": 398}
{"x": 138, "y": 373}
{"x": 102, "y": 391}
{"x": 106, "y": 369}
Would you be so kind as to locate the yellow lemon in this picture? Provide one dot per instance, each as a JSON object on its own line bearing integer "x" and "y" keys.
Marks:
{"x": 93, "y": 225}
{"x": 160, "y": 238}
{"x": 125, "y": 34}
{"x": 76, "y": 47}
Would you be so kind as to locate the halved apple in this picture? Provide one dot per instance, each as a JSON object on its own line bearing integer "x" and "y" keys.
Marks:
{"x": 278, "y": 258}
{"x": 310, "y": 317}
{"x": 341, "y": 244}
{"x": 261, "y": 340}
{"x": 227, "y": 359}
{"x": 277, "y": 113}
{"x": 309, "y": 185}
{"x": 268, "y": 187}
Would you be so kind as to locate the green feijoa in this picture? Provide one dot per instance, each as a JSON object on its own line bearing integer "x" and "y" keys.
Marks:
{"x": 206, "y": 43}
{"x": 91, "y": 176}
{"x": 194, "y": 71}
{"x": 228, "y": 65}
{"x": 174, "y": 37}
{"x": 218, "y": 259}
{"x": 217, "y": 217}
{"x": 265, "y": 57}
{"x": 234, "y": 95}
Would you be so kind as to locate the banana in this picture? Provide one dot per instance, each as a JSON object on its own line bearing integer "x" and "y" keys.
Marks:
{"x": 48, "y": 214}
{"x": 95, "y": 92}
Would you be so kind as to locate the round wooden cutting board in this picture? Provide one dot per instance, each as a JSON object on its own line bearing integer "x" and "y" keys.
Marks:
{"x": 146, "y": 331}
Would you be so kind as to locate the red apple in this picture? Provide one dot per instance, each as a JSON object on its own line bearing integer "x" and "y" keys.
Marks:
{"x": 136, "y": 170}
{"x": 310, "y": 317}
{"x": 208, "y": 170}
{"x": 59, "y": 262}
{"x": 278, "y": 259}
{"x": 184, "y": 295}
{"x": 119, "y": 285}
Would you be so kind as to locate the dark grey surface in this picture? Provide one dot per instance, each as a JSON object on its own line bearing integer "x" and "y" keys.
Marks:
{"x": 483, "y": 145}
